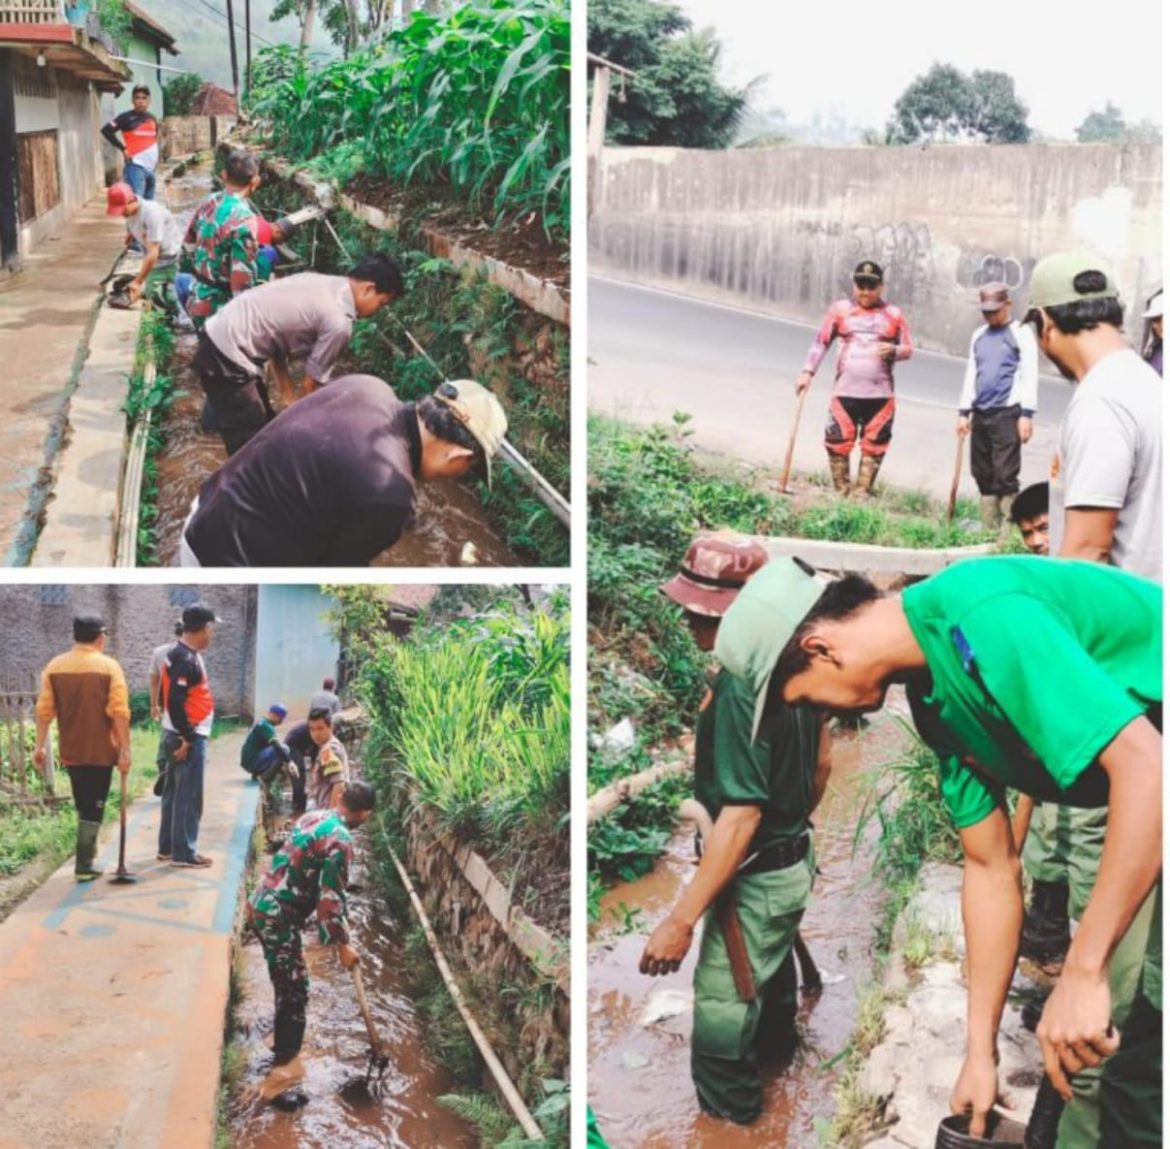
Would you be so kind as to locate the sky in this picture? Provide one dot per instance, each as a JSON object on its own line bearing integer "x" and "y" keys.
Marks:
{"x": 859, "y": 55}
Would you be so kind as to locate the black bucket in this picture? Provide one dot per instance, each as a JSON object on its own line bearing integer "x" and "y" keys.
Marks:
{"x": 1001, "y": 1133}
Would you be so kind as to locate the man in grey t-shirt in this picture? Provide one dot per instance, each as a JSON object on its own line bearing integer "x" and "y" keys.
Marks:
{"x": 307, "y": 315}
{"x": 1106, "y": 494}
{"x": 325, "y": 698}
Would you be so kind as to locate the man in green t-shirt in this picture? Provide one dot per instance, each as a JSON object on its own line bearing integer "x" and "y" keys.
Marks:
{"x": 755, "y": 875}
{"x": 1038, "y": 674}
{"x": 262, "y": 751}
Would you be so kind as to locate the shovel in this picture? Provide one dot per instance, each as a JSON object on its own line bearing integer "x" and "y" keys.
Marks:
{"x": 782, "y": 485}
{"x": 122, "y": 877}
{"x": 378, "y": 1061}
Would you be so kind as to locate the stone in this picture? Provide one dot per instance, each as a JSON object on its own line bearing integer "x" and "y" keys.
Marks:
{"x": 879, "y": 1077}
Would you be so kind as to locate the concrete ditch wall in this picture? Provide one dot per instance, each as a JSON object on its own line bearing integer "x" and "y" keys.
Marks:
{"x": 781, "y": 229}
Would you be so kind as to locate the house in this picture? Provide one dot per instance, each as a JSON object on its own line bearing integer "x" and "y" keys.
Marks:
{"x": 146, "y": 42}
{"x": 212, "y": 100}
{"x": 56, "y": 63}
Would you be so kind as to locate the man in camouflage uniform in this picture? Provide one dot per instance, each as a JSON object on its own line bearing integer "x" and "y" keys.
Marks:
{"x": 310, "y": 873}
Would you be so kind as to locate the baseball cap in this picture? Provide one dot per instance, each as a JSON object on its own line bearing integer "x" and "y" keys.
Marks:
{"x": 1153, "y": 307}
{"x": 1054, "y": 279}
{"x": 714, "y": 571}
{"x": 867, "y": 269}
{"x": 197, "y": 616}
{"x": 279, "y": 710}
{"x": 480, "y": 412}
{"x": 87, "y": 627}
{"x": 117, "y": 197}
{"x": 992, "y": 296}
{"x": 761, "y": 620}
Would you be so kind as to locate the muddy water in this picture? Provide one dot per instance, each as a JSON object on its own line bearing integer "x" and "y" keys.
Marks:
{"x": 448, "y": 516}
{"x": 639, "y": 1075}
{"x": 340, "y": 1111}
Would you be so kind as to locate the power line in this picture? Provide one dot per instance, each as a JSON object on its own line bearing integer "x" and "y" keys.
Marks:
{"x": 219, "y": 14}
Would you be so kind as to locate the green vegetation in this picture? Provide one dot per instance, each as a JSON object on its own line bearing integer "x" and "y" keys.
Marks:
{"x": 946, "y": 104}
{"x": 476, "y": 99}
{"x": 470, "y": 329}
{"x": 179, "y": 94}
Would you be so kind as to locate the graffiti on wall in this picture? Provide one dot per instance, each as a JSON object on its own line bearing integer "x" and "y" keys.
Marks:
{"x": 904, "y": 251}
{"x": 975, "y": 268}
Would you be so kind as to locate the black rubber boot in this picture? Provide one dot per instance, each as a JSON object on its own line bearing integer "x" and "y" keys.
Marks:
{"x": 1045, "y": 937}
{"x": 288, "y": 1035}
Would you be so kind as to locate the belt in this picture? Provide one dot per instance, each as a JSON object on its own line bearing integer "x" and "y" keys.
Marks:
{"x": 777, "y": 857}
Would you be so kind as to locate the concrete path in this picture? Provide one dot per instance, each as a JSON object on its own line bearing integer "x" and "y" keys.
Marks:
{"x": 652, "y": 353}
{"x": 114, "y": 997}
{"x": 45, "y": 316}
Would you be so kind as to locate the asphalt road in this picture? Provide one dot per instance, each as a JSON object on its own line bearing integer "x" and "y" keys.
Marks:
{"x": 652, "y": 353}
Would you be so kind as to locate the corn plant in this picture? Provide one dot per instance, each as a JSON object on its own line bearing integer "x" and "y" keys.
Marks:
{"x": 477, "y": 99}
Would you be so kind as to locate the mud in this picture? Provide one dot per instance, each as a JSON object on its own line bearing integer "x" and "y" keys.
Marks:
{"x": 639, "y": 1075}
{"x": 340, "y": 1110}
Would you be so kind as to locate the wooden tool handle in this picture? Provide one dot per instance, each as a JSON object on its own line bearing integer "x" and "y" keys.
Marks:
{"x": 783, "y": 484}
{"x": 955, "y": 480}
{"x": 363, "y": 1005}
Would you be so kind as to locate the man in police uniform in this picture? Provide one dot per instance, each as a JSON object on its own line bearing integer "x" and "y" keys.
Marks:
{"x": 1081, "y": 725}
{"x": 755, "y": 875}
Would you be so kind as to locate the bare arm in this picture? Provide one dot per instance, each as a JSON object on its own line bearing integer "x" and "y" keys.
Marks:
{"x": 1088, "y": 533}
{"x": 155, "y": 683}
{"x": 148, "y": 262}
{"x": 993, "y": 912}
{"x": 722, "y": 856}
{"x": 1022, "y": 821}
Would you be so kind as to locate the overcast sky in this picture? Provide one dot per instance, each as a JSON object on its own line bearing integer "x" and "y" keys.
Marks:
{"x": 859, "y": 55}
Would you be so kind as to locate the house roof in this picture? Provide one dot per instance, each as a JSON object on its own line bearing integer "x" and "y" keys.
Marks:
{"x": 147, "y": 26}
{"x": 211, "y": 100}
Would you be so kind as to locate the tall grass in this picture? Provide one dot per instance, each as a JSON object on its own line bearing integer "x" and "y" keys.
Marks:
{"x": 477, "y": 98}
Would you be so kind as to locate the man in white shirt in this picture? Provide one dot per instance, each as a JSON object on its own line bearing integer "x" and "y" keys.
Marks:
{"x": 149, "y": 224}
{"x": 1106, "y": 494}
{"x": 997, "y": 402}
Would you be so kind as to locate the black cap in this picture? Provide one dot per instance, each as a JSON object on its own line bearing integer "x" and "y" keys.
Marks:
{"x": 197, "y": 616}
{"x": 867, "y": 269}
{"x": 87, "y": 627}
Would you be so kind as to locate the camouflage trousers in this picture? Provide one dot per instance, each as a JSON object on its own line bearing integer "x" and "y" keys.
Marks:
{"x": 281, "y": 941}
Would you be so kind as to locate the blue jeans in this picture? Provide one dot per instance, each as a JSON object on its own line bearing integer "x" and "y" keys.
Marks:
{"x": 269, "y": 759}
{"x": 182, "y": 799}
{"x": 139, "y": 179}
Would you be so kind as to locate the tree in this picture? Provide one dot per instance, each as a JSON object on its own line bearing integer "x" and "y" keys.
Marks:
{"x": 675, "y": 97}
{"x": 946, "y": 104}
{"x": 179, "y": 94}
{"x": 1109, "y": 127}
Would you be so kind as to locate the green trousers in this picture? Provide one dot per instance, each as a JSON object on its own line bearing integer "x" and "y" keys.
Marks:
{"x": 1064, "y": 845}
{"x": 724, "y": 1046}
{"x": 1118, "y": 1105}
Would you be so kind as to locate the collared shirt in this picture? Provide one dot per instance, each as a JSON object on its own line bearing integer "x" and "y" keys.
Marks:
{"x": 330, "y": 482}
{"x": 309, "y": 315}
{"x": 85, "y": 690}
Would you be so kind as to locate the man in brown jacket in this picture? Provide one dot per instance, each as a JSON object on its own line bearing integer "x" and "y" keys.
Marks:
{"x": 85, "y": 691}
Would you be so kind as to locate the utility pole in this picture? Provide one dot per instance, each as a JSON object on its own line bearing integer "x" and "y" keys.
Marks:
{"x": 597, "y": 115}
{"x": 247, "y": 48}
{"x": 235, "y": 62}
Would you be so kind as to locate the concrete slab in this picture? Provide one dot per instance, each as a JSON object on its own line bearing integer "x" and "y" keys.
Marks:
{"x": 45, "y": 315}
{"x": 115, "y": 996}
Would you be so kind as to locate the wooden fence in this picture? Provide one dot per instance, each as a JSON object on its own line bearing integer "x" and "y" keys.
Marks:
{"x": 21, "y": 781}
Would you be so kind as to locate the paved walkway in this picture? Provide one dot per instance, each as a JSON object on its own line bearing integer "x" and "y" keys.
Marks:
{"x": 114, "y": 997}
{"x": 45, "y": 316}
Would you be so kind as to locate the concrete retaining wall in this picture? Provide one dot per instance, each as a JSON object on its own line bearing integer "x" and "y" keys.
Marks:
{"x": 781, "y": 229}
{"x": 183, "y": 135}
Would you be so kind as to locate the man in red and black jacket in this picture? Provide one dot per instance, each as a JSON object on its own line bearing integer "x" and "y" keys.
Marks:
{"x": 188, "y": 711}
{"x": 139, "y": 143}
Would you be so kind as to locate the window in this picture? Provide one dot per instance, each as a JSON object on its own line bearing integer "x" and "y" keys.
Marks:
{"x": 54, "y": 595}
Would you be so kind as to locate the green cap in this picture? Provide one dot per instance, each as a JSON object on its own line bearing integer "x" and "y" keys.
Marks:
{"x": 765, "y": 615}
{"x": 1053, "y": 279}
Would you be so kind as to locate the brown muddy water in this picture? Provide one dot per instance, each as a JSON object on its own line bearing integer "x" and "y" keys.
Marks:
{"x": 340, "y": 1111}
{"x": 639, "y": 1069}
{"x": 448, "y": 515}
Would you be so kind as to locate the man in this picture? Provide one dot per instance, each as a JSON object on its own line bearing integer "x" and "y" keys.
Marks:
{"x": 302, "y": 750}
{"x": 85, "y": 691}
{"x": 755, "y": 874}
{"x": 1030, "y": 514}
{"x": 1152, "y": 344}
{"x": 873, "y": 335}
{"x": 1035, "y": 674}
{"x": 1107, "y": 492}
{"x": 325, "y": 698}
{"x": 149, "y": 224}
{"x": 331, "y": 483}
{"x": 328, "y": 762}
{"x": 139, "y": 142}
{"x": 188, "y": 713}
{"x": 262, "y": 751}
{"x": 309, "y": 315}
{"x": 158, "y": 658}
{"x": 998, "y": 401}
{"x": 308, "y": 875}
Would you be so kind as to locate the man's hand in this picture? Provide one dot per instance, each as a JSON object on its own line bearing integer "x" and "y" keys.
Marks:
{"x": 667, "y": 947}
{"x": 1075, "y": 1030}
{"x": 128, "y": 240}
{"x": 1025, "y": 428}
{"x": 976, "y": 1091}
{"x": 124, "y": 760}
{"x": 347, "y": 955}
{"x": 40, "y": 756}
{"x": 963, "y": 426}
{"x": 803, "y": 382}
{"x": 887, "y": 351}
{"x": 155, "y": 712}
{"x": 181, "y": 752}
{"x": 134, "y": 290}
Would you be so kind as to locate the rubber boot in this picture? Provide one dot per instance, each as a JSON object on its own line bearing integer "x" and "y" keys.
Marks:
{"x": 1045, "y": 937}
{"x": 839, "y": 469}
{"x": 287, "y": 1037}
{"x": 87, "y": 835}
{"x": 1005, "y": 516}
{"x": 989, "y": 512}
{"x": 867, "y": 472}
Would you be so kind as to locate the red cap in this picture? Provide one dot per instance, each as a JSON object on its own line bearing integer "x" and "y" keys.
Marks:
{"x": 117, "y": 197}
{"x": 714, "y": 571}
